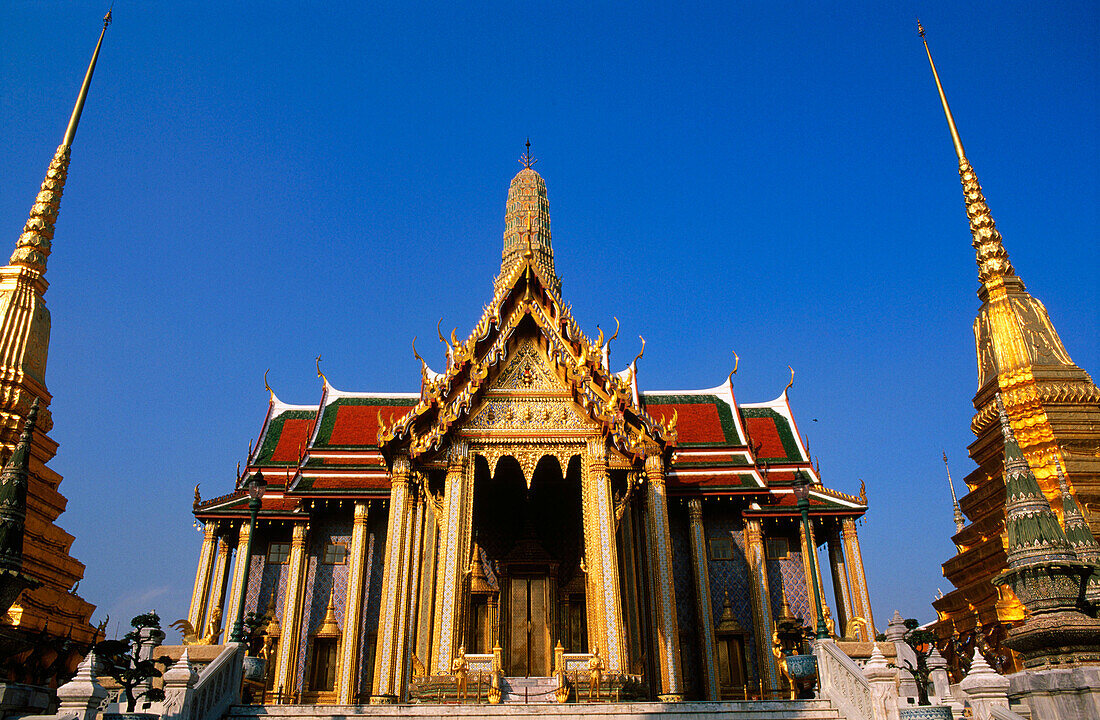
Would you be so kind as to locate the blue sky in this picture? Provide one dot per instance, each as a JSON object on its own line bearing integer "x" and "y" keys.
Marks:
{"x": 257, "y": 183}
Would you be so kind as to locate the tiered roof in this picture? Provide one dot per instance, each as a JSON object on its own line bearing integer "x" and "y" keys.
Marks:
{"x": 341, "y": 447}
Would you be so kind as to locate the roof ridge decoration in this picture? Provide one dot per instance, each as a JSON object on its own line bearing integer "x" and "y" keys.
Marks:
{"x": 526, "y": 288}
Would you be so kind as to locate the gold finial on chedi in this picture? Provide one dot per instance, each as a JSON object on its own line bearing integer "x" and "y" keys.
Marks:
{"x": 526, "y": 159}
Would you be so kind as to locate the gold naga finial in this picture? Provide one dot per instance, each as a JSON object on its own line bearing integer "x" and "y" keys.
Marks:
{"x": 640, "y": 352}
{"x": 439, "y": 331}
{"x": 268, "y": 387}
{"x": 415, "y": 353}
{"x": 33, "y": 246}
{"x": 736, "y": 362}
{"x": 992, "y": 258}
{"x": 319, "y": 373}
{"x": 790, "y": 383}
{"x": 862, "y": 491}
{"x": 526, "y": 158}
{"x": 614, "y": 334}
{"x": 198, "y": 498}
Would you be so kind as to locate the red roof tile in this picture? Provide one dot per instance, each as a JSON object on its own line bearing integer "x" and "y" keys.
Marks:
{"x": 358, "y": 424}
{"x": 292, "y": 439}
{"x": 695, "y": 422}
{"x": 763, "y": 432}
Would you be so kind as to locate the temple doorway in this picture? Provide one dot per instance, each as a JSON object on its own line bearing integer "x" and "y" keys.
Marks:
{"x": 530, "y": 540}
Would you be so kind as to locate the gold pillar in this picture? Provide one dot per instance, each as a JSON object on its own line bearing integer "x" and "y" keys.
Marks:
{"x": 762, "y": 622}
{"x": 202, "y": 578}
{"x": 603, "y": 548}
{"x": 426, "y": 581}
{"x": 809, "y": 545}
{"x": 286, "y": 670}
{"x": 840, "y": 585}
{"x": 857, "y": 581}
{"x": 387, "y": 664}
{"x": 455, "y": 549}
{"x": 348, "y": 684}
{"x": 668, "y": 632}
{"x": 409, "y": 560}
{"x": 240, "y": 571}
{"x": 704, "y": 612}
{"x": 221, "y": 581}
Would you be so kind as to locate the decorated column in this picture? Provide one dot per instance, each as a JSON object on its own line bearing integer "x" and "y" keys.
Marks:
{"x": 454, "y": 555}
{"x": 857, "y": 581}
{"x": 240, "y": 571}
{"x": 203, "y": 575}
{"x": 220, "y": 580}
{"x": 286, "y": 666}
{"x": 348, "y": 683}
{"x": 813, "y": 574}
{"x": 410, "y": 558}
{"x": 387, "y": 664}
{"x": 602, "y": 545}
{"x": 760, "y": 596}
{"x": 668, "y": 632}
{"x": 840, "y": 587}
{"x": 703, "y": 610}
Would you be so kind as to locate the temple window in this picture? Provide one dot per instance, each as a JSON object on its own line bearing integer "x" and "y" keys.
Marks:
{"x": 479, "y": 625}
{"x": 777, "y": 548}
{"x": 322, "y": 677}
{"x": 335, "y": 554}
{"x": 721, "y": 548}
{"x": 278, "y": 553}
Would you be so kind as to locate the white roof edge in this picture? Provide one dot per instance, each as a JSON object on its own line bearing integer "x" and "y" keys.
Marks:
{"x": 334, "y": 394}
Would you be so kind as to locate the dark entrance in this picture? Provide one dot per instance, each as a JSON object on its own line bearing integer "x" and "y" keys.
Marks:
{"x": 531, "y": 541}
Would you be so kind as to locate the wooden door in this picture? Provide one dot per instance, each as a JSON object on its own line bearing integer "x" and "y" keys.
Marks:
{"x": 529, "y": 626}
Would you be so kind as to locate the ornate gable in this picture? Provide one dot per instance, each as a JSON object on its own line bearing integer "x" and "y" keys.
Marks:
{"x": 549, "y": 353}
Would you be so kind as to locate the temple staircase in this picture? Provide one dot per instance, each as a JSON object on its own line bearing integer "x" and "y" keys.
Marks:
{"x": 760, "y": 710}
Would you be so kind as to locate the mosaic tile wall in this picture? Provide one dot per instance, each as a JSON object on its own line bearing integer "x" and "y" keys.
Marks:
{"x": 731, "y": 577}
{"x": 265, "y": 577}
{"x": 793, "y": 575}
{"x": 684, "y": 583}
{"x": 376, "y": 546}
{"x": 322, "y": 579}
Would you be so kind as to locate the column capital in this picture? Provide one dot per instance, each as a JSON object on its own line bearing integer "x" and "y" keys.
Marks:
{"x": 209, "y": 531}
{"x": 401, "y": 467}
{"x": 655, "y": 468}
{"x": 361, "y": 512}
{"x": 848, "y": 527}
{"x": 597, "y": 449}
{"x": 298, "y": 536}
{"x": 695, "y": 510}
{"x": 458, "y": 453}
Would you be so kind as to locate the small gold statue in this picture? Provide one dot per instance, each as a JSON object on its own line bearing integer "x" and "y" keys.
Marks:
{"x": 460, "y": 668}
{"x": 595, "y": 672}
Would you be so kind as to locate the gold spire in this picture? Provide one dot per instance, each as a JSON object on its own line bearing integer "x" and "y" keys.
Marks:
{"x": 993, "y": 262}
{"x": 33, "y": 246}
{"x": 527, "y": 225}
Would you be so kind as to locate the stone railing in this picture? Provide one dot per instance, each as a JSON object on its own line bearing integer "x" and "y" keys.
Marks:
{"x": 842, "y": 682}
{"x": 189, "y": 695}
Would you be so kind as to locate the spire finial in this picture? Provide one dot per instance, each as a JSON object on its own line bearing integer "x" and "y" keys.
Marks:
{"x": 943, "y": 97}
{"x": 993, "y": 262}
{"x": 526, "y": 158}
{"x": 33, "y": 246}
{"x": 960, "y": 519}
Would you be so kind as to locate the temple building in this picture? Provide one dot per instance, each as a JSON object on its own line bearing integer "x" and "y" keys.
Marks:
{"x": 530, "y": 507}
{"x": 1053, "y": 407}
{"x": 46, "y": 631}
